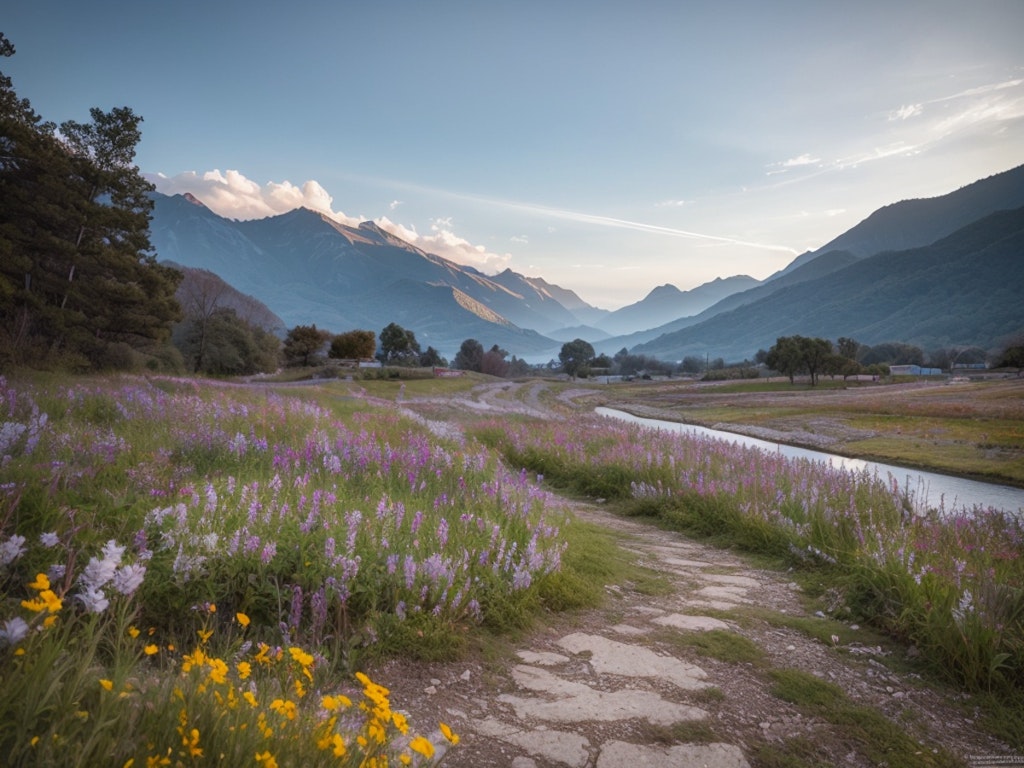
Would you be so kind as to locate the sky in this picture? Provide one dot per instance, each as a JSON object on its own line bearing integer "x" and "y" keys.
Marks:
{"x": 607, "y": 147}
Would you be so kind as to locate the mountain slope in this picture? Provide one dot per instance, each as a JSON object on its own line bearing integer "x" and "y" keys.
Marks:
{"x": 962, "y": 290}
{"x": 311, "y": 269}
{"x": 667, "y": 303}
{"x": 915, "y": 223}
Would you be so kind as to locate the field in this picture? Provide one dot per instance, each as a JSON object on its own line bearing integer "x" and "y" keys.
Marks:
{"x": 217, "y": 565}
{"x": 971, "y": 428}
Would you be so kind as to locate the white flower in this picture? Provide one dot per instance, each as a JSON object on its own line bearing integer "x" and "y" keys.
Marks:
{"x": 129, "y": 578}
{"x": 13, "y": 631}
{"x": 94, "y": 600}
{"x": 49, "y": 539}
{"x": 112, "y": 551}
{"x": 97, "y": 573}
{"x": 11, "y": 550}
{"x": 56, "y": 571}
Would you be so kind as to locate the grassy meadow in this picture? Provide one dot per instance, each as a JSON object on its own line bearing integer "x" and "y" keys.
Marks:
{"x": 198, "y": 571}
{"x": 209, "y": 564}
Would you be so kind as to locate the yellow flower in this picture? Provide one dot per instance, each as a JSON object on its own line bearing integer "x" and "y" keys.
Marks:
{"x": 244, "y": 670}
{"x": 339, "y": 745}
{"x": 218, "y": 671}
{"x": 405, "y": 758}
{"x": 204, "y": 634}
{"x": 35, "y": 740}
{"x": 108, "y": 685}
{"x": 212, "y": 608}
{"x": 133, "y": 632}
{"x": 284, "y": 707}
{"x": 151, "y": 649}
{"x": 129, "y": 763}
{"x": 191, "y": 742}
{"x": 447, "y": 732}
{"x": 49, "y": 621}
{"x": 242, "y": 619}
{"x": 155, "y": 761}
{"x": 266, "y": 759}
{"x": 41, "y": 582}
{"x": 250, "y": 698}
{"x": 333, "y": 703}
{"x": 421, "y": 745}
{"x": 401, "y": 723}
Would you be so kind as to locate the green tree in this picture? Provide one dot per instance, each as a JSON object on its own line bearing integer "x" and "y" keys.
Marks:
{"x": 494, "y": 363}
{"x": 848, "y": 348}
{"x": 304, "y": 344}
{"x": 470, "y": 356}
{"x": 432, "y": 359}
{"x": 398, "y": 345}
{"x": 785, "y": 356}
{"x": 354, "y": 345}
{"x": 230, "y": 345}
{"x": 816, "y": 354}
{"x": 77, "y": 272}
{"x": 575, "y": 356}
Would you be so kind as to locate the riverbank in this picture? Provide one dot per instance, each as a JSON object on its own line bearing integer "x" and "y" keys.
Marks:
{"x": 969, "y": 429}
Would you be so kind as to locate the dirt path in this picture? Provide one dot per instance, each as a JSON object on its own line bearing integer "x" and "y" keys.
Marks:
{"x": 639, "y": 683}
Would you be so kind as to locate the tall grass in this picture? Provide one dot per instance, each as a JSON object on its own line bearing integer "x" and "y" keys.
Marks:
{"x": 127, "y": 502}
{"x": 949, "y": 581}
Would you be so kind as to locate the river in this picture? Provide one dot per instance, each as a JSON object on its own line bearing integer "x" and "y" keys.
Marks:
{"x": 930, "y": 489}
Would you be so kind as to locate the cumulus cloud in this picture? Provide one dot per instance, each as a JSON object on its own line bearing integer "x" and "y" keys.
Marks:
{"x": 445, "y": 243}
{"x": 232, "y": 195}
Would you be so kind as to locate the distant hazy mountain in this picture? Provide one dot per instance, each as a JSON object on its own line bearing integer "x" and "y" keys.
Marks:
{"x": 964, "y": 289}
{"x": 667, "y": 303}
{"x": 201, "y": 292}
{"x": 913, "y": 223}
{"x": 311, "y": 269}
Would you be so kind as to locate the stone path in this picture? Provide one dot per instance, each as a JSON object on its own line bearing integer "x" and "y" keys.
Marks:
{"x": 613, "y": 676}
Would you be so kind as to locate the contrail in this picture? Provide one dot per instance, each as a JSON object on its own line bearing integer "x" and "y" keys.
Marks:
{"x": 585, "y": 218}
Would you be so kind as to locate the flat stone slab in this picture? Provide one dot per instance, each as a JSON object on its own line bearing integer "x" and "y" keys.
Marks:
{"x": 691, "y": 623}
{"x": 615, "y": 658}
{"x": 543, "y": 658}
{"x": 734, "y": 594}
{"x": 557, "y": 746}
{"x": 567, "y": 701}
{"x": 735, "y": 581}
{"x": 621, "y": 754}
{"x": 628, "y": 629}
{"x": 684, "y": 563}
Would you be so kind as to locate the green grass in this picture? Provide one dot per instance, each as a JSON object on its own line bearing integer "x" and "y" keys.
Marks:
{"x": 719, "y": 644}
{"x": 864, "y": 728}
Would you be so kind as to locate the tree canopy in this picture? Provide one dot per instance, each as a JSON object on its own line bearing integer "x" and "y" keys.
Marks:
{"x": 78, "y": 278}
{"x": 304, "y": 344}
{"x": 398, "y": 345}
{"x": 575, "y": 356}
{"x": 354, "y": 345}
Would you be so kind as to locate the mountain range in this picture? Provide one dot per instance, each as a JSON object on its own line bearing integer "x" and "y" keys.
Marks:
{"x": 933, "y": 272}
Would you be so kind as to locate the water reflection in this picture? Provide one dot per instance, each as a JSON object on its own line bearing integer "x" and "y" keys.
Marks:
{"x": 929, "y": 489}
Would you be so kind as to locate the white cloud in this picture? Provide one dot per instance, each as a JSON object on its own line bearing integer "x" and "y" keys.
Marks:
{"x": 445, "y": 243}
{"x": 519, "y": 239}
{"x": 906, "y": 112}
{"x": 232, "y": 195}
{"x": 671, "y": 204}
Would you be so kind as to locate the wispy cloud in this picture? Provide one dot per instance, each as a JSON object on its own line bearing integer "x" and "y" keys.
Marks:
{"x": 671, "y": 204}
{"x": 906, "y": 112}
{"x": 394, "y": 204}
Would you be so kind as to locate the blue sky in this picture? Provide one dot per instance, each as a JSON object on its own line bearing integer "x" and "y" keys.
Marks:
{"x": 608, "y": 147}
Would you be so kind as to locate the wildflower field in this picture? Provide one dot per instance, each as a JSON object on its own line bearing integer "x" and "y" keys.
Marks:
{"x": 949, "y": 581}
{"x": 192, "y": 572}
{"x": 198, "y": 572}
